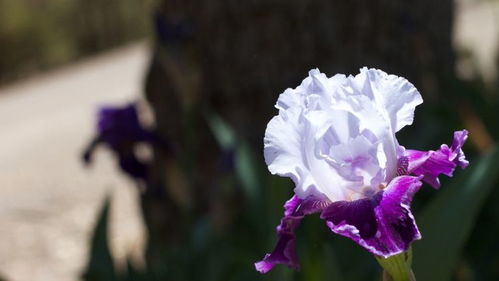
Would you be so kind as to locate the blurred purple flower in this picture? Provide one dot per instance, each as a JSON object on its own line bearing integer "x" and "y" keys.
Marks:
{"x": 170, "y": 31}
{"x": 119, "y": 126}
{"x": 120, "y": 129}
{"x": 335, "y": 138}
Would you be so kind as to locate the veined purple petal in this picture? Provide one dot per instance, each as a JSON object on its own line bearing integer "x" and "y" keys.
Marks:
{"x": 382, "y": 224}
{"x": 285, "y": 251}
{"x": 431, "y": 164}
{"x": 460, "y": 138}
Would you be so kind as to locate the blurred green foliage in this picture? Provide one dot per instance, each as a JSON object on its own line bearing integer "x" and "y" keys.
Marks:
{"x": 39, "y": 34}
{"x": 101, "y": 266}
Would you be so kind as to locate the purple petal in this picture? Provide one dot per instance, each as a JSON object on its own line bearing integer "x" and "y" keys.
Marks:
{"x": 118, "y": 126}
{"x": 382, "y": 224}
{"x": 285, "y": 251}
{"x": 460, "y": 138}
{"x": 431, "y": 164}
{"x": 132, "y": 166}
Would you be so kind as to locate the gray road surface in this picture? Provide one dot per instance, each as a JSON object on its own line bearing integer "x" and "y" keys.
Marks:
{"x": 48, "y": 201}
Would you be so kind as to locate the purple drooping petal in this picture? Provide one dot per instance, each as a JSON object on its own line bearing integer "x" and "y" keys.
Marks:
{"x": 382, "y": 224}
{"x": 132, "y": 166}
{"x": 285, "y": 251}
{"x": 118, "y": 126}
{"x": 120, "y": 129}
{"x": 431, "y": 164}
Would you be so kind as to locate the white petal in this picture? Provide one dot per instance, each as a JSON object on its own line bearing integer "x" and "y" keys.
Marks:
{"x": 335, "y": 136}
{"x": 283, "y": 150}
{"x": 392, "y": 94}
{"x": 290, "y": 98}
{"x": 288, "y": 150}
{"x": 283, "y": 143}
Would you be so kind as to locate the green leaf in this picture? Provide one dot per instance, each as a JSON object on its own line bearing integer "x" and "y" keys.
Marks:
{"x": 448, "y": 220}
{"x": 246, "y": 168}
{"x": 247, "y": 172}
{"x": 100, "y": 265}
{"x": 332, "y": 270}
{"x": 222, "y": 132}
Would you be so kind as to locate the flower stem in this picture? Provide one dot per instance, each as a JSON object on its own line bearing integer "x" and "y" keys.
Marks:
{"x": 397, "y": 267}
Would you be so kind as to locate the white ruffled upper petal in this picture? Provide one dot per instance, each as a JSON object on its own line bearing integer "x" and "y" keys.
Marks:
{"x": 335, "y": 137}
{"x": 391, "y": 94}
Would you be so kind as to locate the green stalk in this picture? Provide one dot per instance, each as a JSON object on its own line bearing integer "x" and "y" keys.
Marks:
{"x": 397, "y": 267}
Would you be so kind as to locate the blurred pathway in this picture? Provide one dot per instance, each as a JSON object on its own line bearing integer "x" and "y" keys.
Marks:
{"x": 476, "y": 29}
{"x": 48, "y": 201}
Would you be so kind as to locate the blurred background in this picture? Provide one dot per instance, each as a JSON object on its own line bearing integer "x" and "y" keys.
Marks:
{"x": 132, "y": 133}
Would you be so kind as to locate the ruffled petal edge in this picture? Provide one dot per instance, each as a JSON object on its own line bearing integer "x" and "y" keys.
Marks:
{"x": 430, "y": 164}
{"x": 382, "y": 224}
{"x": 295, "y": 209}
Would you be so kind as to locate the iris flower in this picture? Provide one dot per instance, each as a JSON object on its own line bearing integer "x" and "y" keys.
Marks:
{"x": 335, "y": 138}
{"x": 119, "y": 128}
